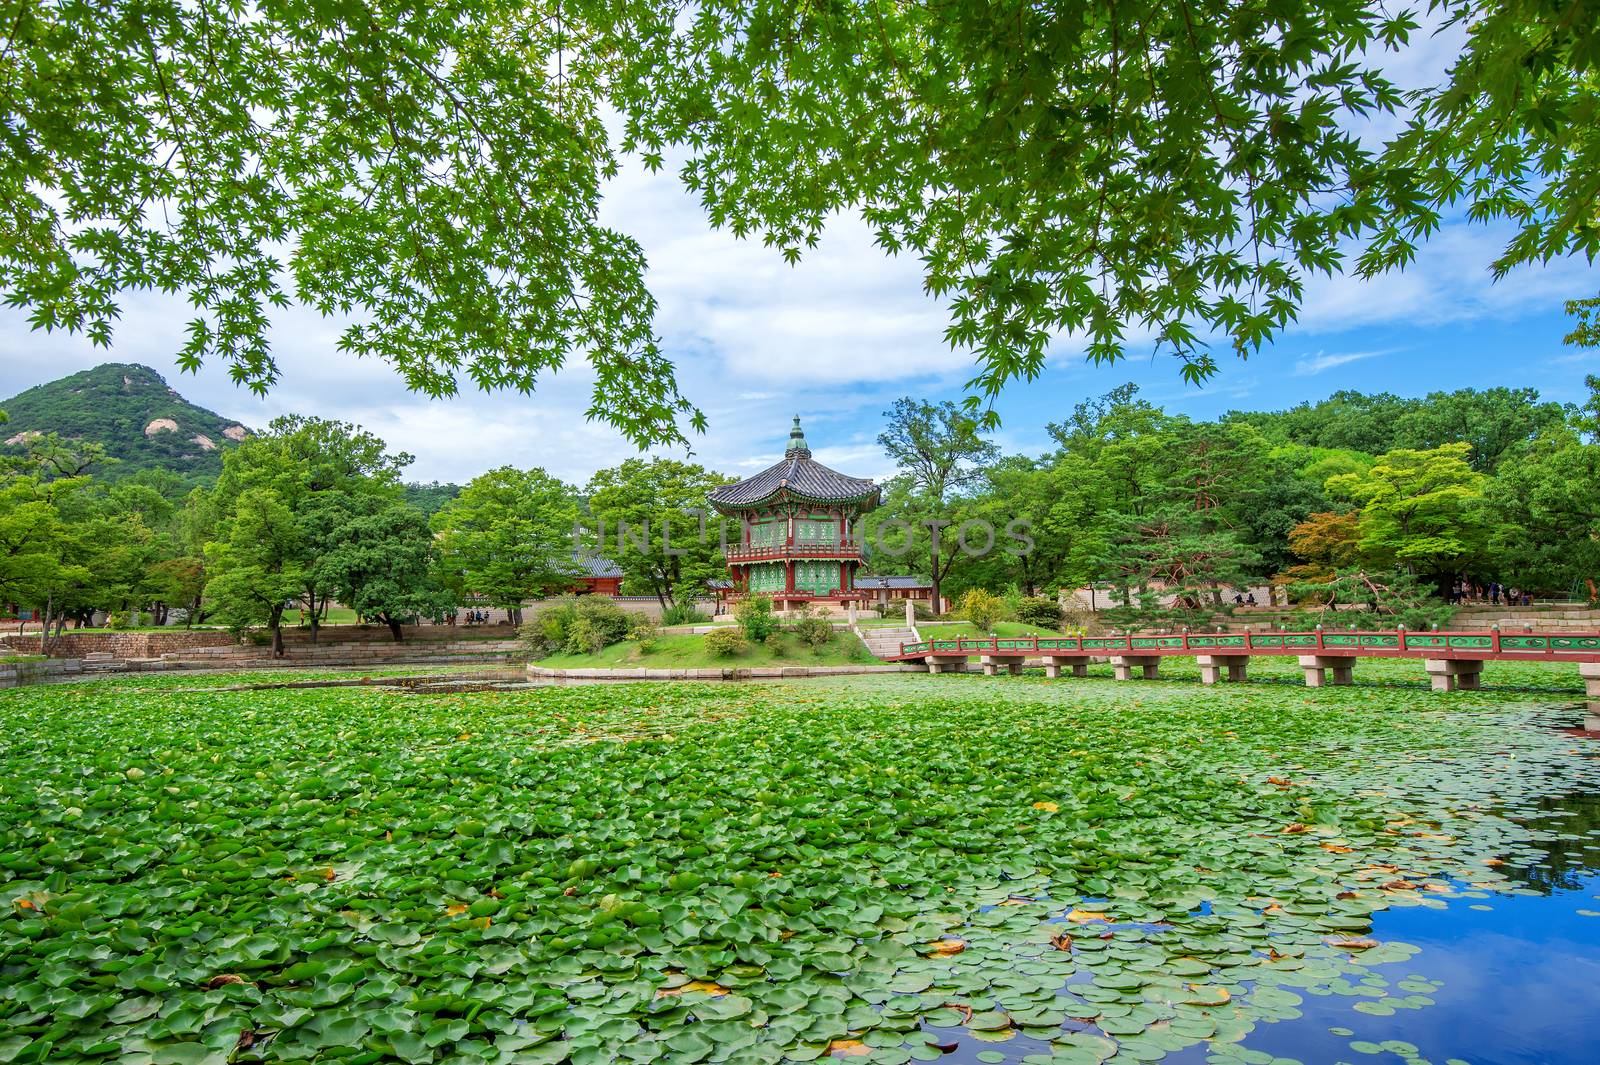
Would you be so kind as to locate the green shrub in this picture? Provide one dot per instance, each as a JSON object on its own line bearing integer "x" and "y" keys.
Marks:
{"x": 545, "y": 633}
{"x": 682, "y": 613}
{"x": 600, "y": 623}
{"x": 755, "y": 617}
{"x": 982, "y": 608}
{"x": 646, "y": 634}
{"x": 725, "y": 643}
{"x": 813, "y": 629}
{"x": 775, "y": 643}
{"x": 585, "y": 625}
{"x": 1040, "y": 611}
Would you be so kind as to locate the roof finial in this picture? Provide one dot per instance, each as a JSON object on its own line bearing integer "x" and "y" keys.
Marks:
{"x": 797, "y": 442}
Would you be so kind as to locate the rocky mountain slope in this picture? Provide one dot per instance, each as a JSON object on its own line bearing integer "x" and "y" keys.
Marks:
{"x": 132, "y": 412}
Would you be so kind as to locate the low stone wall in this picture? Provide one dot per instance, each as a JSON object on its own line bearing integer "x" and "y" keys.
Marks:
{"x": 72, "y": 644}
{"x": 16, "y": 674}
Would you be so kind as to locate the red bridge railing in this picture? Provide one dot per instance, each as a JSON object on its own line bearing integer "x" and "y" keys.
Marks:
{"x": 1396, "y": 643}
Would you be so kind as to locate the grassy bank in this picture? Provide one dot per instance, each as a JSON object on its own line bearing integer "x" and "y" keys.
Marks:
{"x": 686, "y": 651}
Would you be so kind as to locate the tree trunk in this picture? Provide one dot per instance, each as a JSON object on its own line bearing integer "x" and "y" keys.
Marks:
{"x": 275, "y": 623}
{"x": 44, "y": 628}
{"x": 315, "y": 621}
{"x": 394, "y": 629}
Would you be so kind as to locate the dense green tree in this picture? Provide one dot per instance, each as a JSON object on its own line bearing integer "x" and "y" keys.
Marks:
{"x": 1346, "y": 420}
{"x": 311, "y": 465}
{"x": 1047, "y": 520}
{"x": 1546, "y": 506}
{"x": 1494, "y": 421}
{"x": 649, "y": 517}
{"x": 257, "y": 567}
{"x": 942, "y": 456}
{"x": 380, "y": 558}
{"x": 508, "y": 537}
{"x": 1420, "y": 510}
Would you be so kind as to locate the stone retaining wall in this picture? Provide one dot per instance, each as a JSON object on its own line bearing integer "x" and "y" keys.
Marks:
{"x": 71, "y": 644}
{"x": 16, "y": 674}
{"x": 120, "y": 644}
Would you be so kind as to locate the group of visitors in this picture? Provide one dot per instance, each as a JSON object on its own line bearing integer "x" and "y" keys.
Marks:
{"x": 1468, "y": 590}
{"x": 473, "y": 617}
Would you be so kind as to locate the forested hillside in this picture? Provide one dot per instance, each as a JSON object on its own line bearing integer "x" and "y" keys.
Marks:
{"x": 132, "y": 413}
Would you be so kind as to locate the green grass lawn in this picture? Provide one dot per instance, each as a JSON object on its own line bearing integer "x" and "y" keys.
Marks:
{"x": 686, "y": 651}
{"x": 1061, "y": 871}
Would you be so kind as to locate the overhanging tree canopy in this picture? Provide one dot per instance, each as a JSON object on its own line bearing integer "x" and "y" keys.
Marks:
{"x": 1170, "y": 169}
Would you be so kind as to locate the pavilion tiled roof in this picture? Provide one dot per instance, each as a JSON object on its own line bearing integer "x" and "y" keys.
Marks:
{"x": 798, "y": 476}
{"x": 589, "y": 564}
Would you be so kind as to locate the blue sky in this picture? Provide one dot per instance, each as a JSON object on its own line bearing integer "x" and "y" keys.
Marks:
{"x": 837, "y": 338}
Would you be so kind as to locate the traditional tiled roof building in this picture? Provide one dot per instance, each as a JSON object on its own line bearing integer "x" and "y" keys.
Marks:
{"x": 799, "y": 541}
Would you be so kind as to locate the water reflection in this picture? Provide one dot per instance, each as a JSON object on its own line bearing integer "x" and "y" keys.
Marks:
{"x": 1505, "y": 978}
{"x": 1518, "y": 975}
{"x": 1573, "y": 854}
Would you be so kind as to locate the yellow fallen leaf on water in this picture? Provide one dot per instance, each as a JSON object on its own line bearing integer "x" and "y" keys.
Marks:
{"x": 1047, "y": 807}
{"x": 1336, "y": 848}
{"x": 849, "y": 1048}
{"x": 707, "y": 987}
{"x": 1077, "y": 916}
{"x": 1352, "y": 944}
{"x": 456, "y": 909}
{"x": 944, "y": 948}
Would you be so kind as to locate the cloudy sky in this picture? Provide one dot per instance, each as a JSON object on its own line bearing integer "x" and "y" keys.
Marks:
{"x": 838, "y": 337}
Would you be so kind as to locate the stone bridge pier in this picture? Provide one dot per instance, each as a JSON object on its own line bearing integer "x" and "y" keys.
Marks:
{"x": 1317, "y": 668}
{"x": 1217, "y": 668}
{"x": 1590, "y": 672}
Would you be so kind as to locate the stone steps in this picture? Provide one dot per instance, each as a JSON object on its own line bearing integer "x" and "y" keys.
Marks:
{"x": 885, "y": 642}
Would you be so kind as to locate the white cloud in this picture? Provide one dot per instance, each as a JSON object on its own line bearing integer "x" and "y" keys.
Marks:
{"x": 1321, "y": 362}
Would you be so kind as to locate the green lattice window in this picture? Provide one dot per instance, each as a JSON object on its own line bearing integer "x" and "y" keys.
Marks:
{"x": 769, "y": 533}
{"x": 767, "y": 578}
{"x": 818, "y": 578}
{"x": 816, "y": 531}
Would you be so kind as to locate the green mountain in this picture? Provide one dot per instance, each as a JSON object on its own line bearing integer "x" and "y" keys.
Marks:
{"x": 130, "y": 411}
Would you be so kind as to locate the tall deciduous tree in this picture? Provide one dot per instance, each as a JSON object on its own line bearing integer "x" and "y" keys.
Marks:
{"x": 508, "y": 537}
{"x": 650, "y": 517}
{"x": 381, "y": 560}
{"x": 1546, "y": 505}
{"x": 258, "y": 567}
{"x": 1422, "y": 510}
{"x": 942, "y": 454}
{"x": 311, "y": 465}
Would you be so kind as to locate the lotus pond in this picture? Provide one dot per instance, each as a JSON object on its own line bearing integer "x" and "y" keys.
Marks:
{"x": 891, "y": 869}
